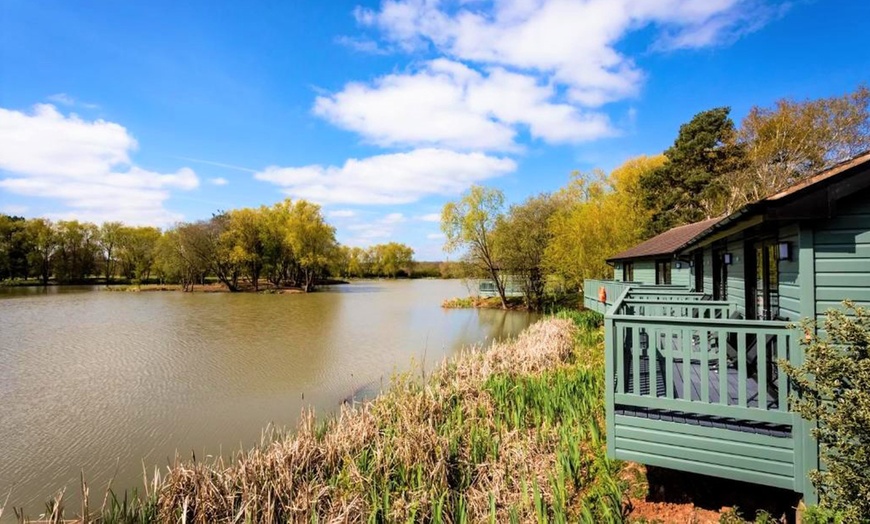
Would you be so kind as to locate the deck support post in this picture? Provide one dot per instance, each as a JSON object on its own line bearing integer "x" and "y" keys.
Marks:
{"x": 806, "y": 448}
{"x": 609, "y": 384}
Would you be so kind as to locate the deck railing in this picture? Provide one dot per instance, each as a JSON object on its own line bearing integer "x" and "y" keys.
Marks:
{"x": 691, "y": 386}
{"x": 613, "y": 289}
{"x": 678, "y": 353}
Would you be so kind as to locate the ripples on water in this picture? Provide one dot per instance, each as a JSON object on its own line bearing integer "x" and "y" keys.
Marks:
{"x": 102, "y": 382}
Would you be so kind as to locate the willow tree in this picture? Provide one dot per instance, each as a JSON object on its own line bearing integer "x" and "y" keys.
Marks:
{"x": 469, "y": 224}
{"x": 244, "y": 234}
{"x": 313, "y": 242}
{"x": 601, "y": 215}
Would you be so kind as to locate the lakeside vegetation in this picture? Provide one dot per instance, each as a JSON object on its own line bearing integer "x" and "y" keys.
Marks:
{"x": 286, "y": 245}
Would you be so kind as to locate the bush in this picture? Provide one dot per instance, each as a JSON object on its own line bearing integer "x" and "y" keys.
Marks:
{"x": 833, "y": 387}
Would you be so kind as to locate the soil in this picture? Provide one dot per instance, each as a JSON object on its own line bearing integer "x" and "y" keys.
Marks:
{"x": 663, "y": 495}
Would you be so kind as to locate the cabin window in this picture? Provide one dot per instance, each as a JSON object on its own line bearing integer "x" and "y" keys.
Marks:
{"x": 764, "y": 281}
{"x": 627, "y": 272}
{"x": 663, "y": 272}
{"x": 720, "y": 274}
{"x": 698, "y": 266}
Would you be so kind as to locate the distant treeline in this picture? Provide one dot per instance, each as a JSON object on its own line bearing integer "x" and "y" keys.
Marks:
{"x": 555, "y": 241}
{"x": 288, "y": 244}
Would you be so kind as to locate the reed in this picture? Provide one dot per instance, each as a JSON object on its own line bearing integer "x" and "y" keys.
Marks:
{"x": 511, "y": 433}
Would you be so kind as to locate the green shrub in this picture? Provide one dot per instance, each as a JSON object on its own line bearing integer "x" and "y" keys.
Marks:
{"x": 833, "y": 387}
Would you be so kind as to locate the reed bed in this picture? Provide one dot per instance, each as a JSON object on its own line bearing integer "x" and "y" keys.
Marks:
{"x": 510, "y": 433}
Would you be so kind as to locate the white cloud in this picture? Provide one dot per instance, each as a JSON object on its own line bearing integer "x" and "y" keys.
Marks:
{"x": 448, "y": 104}
{"x": 431, "y": 217}
{"x": 85, "y": 165}
{"x": 218, "y": 181}
{"x": 367, "y": 232}
{"x": 14, "y": 209}
{"x": 66, "y": 100}
{"x": 397, "y": 178}
{"x": 342, "y": 213}
{"x": 436, "y": 236}
{"x": 571, "y": 42}
{"x": 363, "y": 45}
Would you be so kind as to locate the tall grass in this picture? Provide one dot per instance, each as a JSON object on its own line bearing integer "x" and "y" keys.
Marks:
{"x": 509, "y": 434}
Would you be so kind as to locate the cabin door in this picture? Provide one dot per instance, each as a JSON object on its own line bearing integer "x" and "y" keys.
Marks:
{"x": 762, "y": 277}
{"x": 720, "y": 274}
{"x": 698, "y": 267}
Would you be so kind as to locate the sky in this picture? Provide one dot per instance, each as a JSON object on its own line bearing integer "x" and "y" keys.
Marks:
{"x": 155, "y": 112}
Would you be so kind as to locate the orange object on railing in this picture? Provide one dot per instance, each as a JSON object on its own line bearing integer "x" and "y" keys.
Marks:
{"x": 602, "y": 294}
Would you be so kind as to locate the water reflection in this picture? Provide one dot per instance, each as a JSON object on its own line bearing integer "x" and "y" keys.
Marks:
{"x": 102, "y": 381}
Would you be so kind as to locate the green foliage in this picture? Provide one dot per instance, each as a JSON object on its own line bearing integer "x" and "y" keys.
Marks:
{"x": 469, "y": 225}
{"x": 688, "y": 188}
{"x": 833, "y": 387}
{"x": 821, "y": 515}
{"x": 521, "y": 237}
{"x": 14, "y": 247}
{"x": 389, "y": 260}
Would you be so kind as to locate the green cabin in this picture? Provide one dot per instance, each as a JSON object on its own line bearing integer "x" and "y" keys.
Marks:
{"x": 696, "y": 318}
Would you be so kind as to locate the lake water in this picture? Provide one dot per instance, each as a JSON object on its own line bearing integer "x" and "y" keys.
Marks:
{"x": 98, "y": 382}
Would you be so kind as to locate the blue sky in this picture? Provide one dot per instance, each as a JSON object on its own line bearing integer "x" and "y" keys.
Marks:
{"x": 155, "y": 112}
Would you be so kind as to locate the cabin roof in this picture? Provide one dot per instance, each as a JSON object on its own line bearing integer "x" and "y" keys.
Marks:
{"x": 812, "y": 184}
{"x": 666, "y": 243}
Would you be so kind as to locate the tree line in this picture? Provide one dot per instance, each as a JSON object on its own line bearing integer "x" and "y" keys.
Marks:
{"x": 288, "y": 244}
{"x": 556, "y": 240}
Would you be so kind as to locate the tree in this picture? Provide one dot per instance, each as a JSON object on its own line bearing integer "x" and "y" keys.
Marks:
{"x": 77, "y": 250}
{"x": 469, "y": 224}
{"x": 313, "y": 242}
{"x": 245, "y": 235}
{"x": 107, "y": 240}
{"x": 13, "y": 247}
{"x": 522, "y": 236}
{"x": 833, "y": 388}
{"x": 793, "y": 139}
{"x": 279, "y": 262}
{"x": 137, "y": 247}
{"x": 183, "y": 254}
{"x": 599, "y": 216}
{"x": 43, "y": 240}
{"x": 689, "y": 186}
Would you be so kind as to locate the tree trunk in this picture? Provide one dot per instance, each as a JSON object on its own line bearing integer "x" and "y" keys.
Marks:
{"x": 499, "y": 286}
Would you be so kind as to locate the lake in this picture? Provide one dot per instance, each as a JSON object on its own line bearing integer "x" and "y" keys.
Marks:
{"x": 99, "y": 382}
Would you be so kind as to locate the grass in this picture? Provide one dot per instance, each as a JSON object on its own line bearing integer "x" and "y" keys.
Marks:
{"x": 512, "y": 433}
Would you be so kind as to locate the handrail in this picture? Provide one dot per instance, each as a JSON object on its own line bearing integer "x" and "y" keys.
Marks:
{"x": 726, "y": 322}
{"x": 618, "y": 304}
{"x": 669, "y": 302}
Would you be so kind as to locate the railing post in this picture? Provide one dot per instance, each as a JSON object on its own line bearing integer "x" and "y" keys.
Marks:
{"x": 609, "y": 385}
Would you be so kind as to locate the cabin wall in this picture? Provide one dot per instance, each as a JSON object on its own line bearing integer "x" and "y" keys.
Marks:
{"x": 842, "y": 256}
{"x": 681, "y": 276}
{"x": 708, "y": 270}
{"x": 645, "y": 271}
{"x": 789, "y": 274}
{"x": 736, "y": 272}
{"x": 617, "y": 272}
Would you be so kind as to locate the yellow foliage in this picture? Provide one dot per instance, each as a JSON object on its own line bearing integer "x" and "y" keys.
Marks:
{"x": 601, "y": 216}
